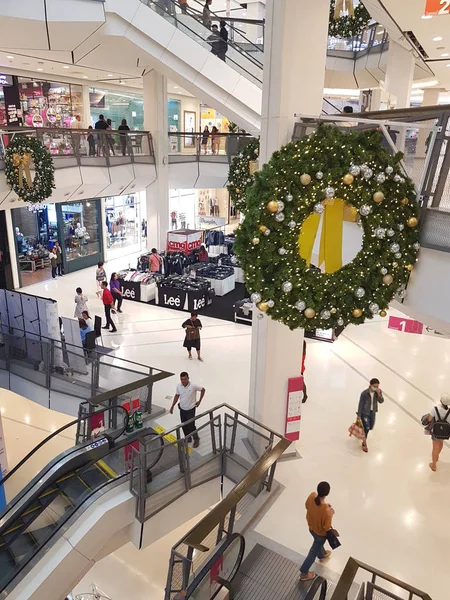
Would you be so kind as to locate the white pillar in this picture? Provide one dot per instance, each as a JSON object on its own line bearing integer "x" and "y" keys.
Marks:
{"x": 86, "y": 120}
{"x": 257, "y": 11}
{"x": 430, "y": 98}
{"x": 294, "y": 72}
{"x": 400, "y": 73}
{"x": 12, "y": 248}
{"x": 157, "y": 194}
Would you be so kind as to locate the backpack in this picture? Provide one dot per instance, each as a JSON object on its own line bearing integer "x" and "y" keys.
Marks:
{"x": 441, "y": 427}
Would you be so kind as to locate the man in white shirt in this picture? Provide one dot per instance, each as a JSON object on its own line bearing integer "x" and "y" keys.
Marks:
{"x": 186, "y": 395}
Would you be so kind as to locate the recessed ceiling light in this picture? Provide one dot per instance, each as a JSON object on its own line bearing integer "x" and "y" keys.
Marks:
{"x": 437, "y": 39}
{"x": 66, "y": 67}
{"x": 39, "y": 69}
{"x": 10, "y": 57}
{"x": 175, "y": 87}
{"x": 85, "y": 77}
{"x": 445, "y": 54}
{"x": 427, "y": 16}
{"x": 110, "y": 74}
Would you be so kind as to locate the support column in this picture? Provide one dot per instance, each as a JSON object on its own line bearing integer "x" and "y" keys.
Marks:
{"x": 257, "y": 11}
{"x": 400, "y": 73}
{"x": 86, "y": 120}
{"x": 294, "y": 73}
{"x": 157, "y": 194}
{"x": 430, "y": 98}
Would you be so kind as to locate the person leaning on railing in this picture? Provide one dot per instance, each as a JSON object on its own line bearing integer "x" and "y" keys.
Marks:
{"x": 183, "y": 5}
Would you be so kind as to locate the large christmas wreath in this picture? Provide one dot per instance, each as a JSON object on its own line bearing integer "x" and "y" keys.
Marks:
{"x": 325, "y": 173}
{"x": 349, "y": 25}
{"x": 240, "y": 175}
{"x": 21, "y": 153}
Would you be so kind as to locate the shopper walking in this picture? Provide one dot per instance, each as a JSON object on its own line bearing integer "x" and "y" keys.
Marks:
{"x": 192, "y": 337}
{"x": 223, "y": 33}
{"x": 155, "y": 261}
{"x": 214, "y": 40}
{"x": 123, "y": 136}
{"x": 117, "y": 294}
{"x": 438, "y": 424}
{"x": 186, "y": 395}
{"x": 53, "y": 261}
{"x": 319, "y": 516}
{"x": 80, "y": 303}
{"x": 108, "y": 303}
{"x": 206, "y": 17}
{"x": 368, "y": 407}
{"x": 59, "y": 264}
{"x": 100, "y": 276}
{"x": 215, "y": 140}
{"x": 205, "y": 136}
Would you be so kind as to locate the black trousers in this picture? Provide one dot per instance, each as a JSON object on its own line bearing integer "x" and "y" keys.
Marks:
{"x": 54, "y": 272}
{"x": 109, "y": 321}
{"x": 189, "y": 429}
{"x": 119, "y": 299}
{"x": 59, "y": 269}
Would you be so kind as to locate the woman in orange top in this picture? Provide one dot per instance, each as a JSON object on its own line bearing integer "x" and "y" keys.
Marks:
{"x": 155, "y": 261}
{"x": 318, "y": 515}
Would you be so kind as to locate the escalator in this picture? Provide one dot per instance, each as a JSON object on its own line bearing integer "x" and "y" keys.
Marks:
{"x": 68, "y": 483}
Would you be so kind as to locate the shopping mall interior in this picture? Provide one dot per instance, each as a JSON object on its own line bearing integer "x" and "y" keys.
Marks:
{"x": 224, "y": 283}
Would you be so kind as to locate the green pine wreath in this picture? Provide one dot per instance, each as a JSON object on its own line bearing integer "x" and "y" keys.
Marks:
{"x": 44, "y": 171}
{"x": 348, "y": 26}
{"x": 267, "y": 243}
{"x": 239, "y": 176}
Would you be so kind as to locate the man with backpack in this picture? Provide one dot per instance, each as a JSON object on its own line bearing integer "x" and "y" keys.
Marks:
{"x": 439, "y": 427}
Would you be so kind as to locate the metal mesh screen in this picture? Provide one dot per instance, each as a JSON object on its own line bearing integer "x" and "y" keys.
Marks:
{"x": 436, "y": 229}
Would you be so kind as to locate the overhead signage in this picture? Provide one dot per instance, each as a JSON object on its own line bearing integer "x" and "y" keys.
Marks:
{"x": 437, "y": 7}
{"x": 6, "y": 79}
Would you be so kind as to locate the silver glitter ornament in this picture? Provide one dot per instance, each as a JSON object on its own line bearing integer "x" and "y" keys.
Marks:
{"x": 325, "y": 314}
{"x": 383, "y": 271}
{"x": 380, "y": 178}
{"x": 234, "y": 260}
{"x": 292, "y": 224}
{"x": 289, "y": 197}
{"x": 367, "y": 173}
{"x": 255, "y": 297}
{"x": 270, "y": 303}
{"x": 364, "y": 210}
{"x": 398, "y": 255}
{"x": 340, "y": 322}
{"x": 282, "y": 251}
{"x": 402, "y": 180}
{"x": 279, "y": 217}
{"x": 397, "y": 178}
{"x": 267, "y": 232}
{"x": 287, "y": 287}
{"x": 390, "y": 232}
{"x": 416, "y": 245}
{"x": 280, "y": 206}
{"x": 400, "y": 227}
{"x": 394, "y": 248}
{"x": 319, "y": 175}
{"x": 355, "y": 170}
{"x": 360, "y": 292}
{"x": 380, "y": 233}
{"x": 389, "y": 170}
{"x": 300, "y": 305}
{"x": 319, "y": 208}
{"x": 329, "y": 192}
{"x": 374, "y": 308}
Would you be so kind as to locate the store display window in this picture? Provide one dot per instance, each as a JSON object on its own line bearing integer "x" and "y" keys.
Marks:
{"x": 117, "y": 106}
{"x": 211, "y": 118}
{"x": 198, "y": 209}
{"x": 124, "y": 225}
{"x": 49, "y": 104}
{"x": 80, "y": 226}
{"x": 174, "y": 118}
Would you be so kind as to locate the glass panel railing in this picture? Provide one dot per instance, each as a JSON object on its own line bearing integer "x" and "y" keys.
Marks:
{"x": 205, "y": 146}
{"x": 191, "y": 22}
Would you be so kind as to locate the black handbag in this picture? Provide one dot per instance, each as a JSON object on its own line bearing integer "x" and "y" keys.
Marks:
{"x": 333, "y": 539}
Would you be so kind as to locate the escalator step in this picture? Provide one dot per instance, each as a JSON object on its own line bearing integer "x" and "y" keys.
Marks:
{"x": 94, "y": 477}
{"x": 42, "y": 534}
{"x": 12, "y": 532}
{"x": 22, "y": 546}
{"x": 7, "y": 563}
{"x": 74, "y": 489}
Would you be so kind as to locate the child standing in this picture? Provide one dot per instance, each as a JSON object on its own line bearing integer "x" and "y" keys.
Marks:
{"x": 100, "y": 276}
{"x": 81, "y": 303}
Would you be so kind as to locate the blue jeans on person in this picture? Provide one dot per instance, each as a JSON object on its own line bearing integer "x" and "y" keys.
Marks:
{"x": 317, "y": 551}
{"x": 368, "y": 422}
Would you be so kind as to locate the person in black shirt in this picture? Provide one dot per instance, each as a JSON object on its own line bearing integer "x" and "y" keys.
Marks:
{"x": 123, "y": 136}
{"x": 101, "y": 123}
{"x": 223, "y": 48}
{"x": 101, "y": 142}
{"x": 192, "y": 338}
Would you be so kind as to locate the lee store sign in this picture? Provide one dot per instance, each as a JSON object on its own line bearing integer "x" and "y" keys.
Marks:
{"x": 437, "y": 7}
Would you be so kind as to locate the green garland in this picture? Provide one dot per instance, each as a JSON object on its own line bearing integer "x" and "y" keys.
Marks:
{"x": 44, "y": 170}
{"x": 267, "y": 242}
{"x": 347, "y": 26}
{"x": 239, "y": 177}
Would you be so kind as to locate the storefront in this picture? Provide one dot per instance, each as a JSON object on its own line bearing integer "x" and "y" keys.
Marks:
{"x": 125, "y": 225}
{"x": 77, "y": 227}
{"x": 117, "y": 106}
{"x": 198, "y": 209}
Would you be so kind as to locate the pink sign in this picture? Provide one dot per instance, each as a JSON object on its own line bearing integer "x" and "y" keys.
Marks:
{"x": 294, "y": 408}
{"x": 405, "y": 325}
{"x": 183, "y": 242}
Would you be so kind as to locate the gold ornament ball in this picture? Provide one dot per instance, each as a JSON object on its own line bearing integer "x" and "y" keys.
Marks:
{"x": 409, "y": 267}
{"x": 395, "y": 265}
{"x": 305, "y": 179}
{"x": 383, "y": 313}
{"x": 412, "y": 222}
{"x": 348, "y": 179}
{"x": 309, "y": 313}
{"x": 238, "y": 191}
{"x": 378, "y": 197}
{"x": 255, "y": 241}
{"x": 263, "y": 306}
{"x": 333, "y": 311}
{"x": 272, "y": 206}
{"x": 357, "y": 312}
{"x": 388, "y": 279}
{"x": 262, "y": 228}
{"x": 404, "y": 201}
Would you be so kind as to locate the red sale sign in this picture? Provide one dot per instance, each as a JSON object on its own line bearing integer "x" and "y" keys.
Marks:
{"x": 405, "y": 325}
{"x": 294, "y": 408}
{"x": 437, "y": 7}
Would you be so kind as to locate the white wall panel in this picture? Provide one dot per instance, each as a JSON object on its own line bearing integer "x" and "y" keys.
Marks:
{"x": 183, "y": 175}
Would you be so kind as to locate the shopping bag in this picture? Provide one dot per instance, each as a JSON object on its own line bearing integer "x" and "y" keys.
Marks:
{"x": 192, "y": 334}
{"x": 357, "y": 430}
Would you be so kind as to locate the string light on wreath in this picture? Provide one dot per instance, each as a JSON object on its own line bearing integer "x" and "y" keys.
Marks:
{"x": 278, "y": 267}
{"x": 22, "y": 154}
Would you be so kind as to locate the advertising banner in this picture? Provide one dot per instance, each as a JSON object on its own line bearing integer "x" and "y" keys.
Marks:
{"x": 131, "y": 290}
{"x": 171, "y": 297}
{"x": 183, "y": 241}
{"x": 196, "y": 301}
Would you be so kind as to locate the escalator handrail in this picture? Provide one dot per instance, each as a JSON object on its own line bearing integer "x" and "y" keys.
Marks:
{"x": 20, "y": 495}
{"x": 319, "y": 582}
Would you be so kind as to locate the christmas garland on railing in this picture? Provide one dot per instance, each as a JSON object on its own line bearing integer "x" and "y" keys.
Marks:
{"x": 350, "y": 25}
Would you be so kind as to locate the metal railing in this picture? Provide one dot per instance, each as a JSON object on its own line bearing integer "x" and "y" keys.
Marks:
{"x": 86, "y": 147}
{"x": 374, "y": 38}
{"x": 201, "y": 147}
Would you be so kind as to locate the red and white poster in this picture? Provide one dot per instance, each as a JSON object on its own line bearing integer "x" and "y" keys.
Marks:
{"x": 183, "y": 241}
{"x": 437, "y": 7}
{"x": 294, "y": 408}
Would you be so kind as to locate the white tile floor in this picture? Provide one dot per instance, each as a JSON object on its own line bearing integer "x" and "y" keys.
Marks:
{"x": 390, "y": 508}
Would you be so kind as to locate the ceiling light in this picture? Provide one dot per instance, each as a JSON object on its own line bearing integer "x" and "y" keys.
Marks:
{"x": 66, "y": 67}
{"x": 445, "y": 54}
{"x": 110, "y": 74}
{"x": 448, "y": 65}
{"x": 85, "y": 77}
{"x": 437, "y": 39}
{"x": 39, "y": 69}
{"x": 424, "y": 84}
{"x": 427, "y": 16}
{"x": 175, "y": 87}
{"x": 10, "y": 57}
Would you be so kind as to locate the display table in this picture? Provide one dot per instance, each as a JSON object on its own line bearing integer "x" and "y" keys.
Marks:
{"x": 222, "y": 287}
{"x": 34, "y": 263}
{"x": 139, "y": 292}
{"x": 239, "y": 275}
{"x": 191, "y": 301}
{"x": 243, "y": 312}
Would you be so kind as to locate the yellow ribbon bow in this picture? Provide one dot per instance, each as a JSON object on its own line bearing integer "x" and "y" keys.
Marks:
{"x": 23, "y": 161}
{"x": 330, "y": 253}
{"x": 342, "y": 5}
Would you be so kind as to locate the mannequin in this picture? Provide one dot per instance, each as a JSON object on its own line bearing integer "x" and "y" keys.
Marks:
{"x": 20, "y": 240}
